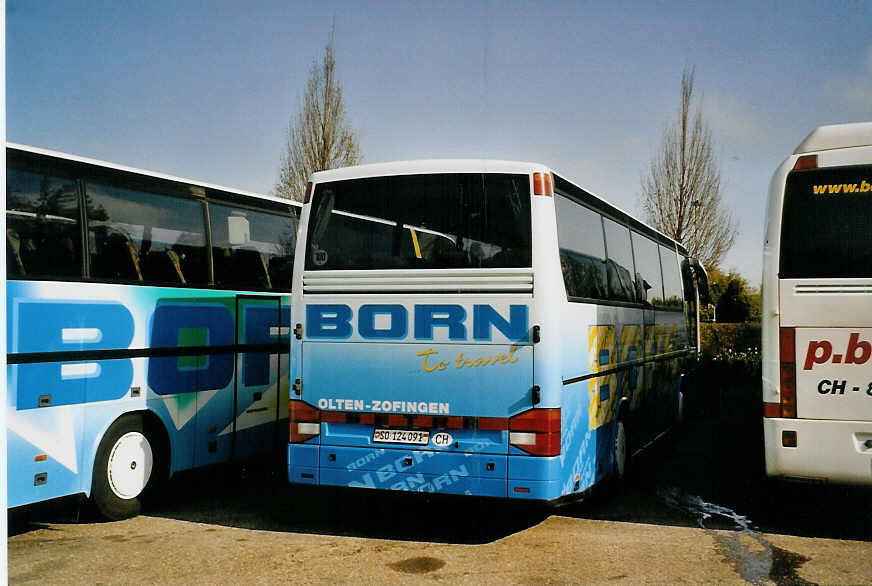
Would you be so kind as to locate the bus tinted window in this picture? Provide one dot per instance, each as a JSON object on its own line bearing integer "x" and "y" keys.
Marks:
{"x": 619, "y": 268}
{"x": 673, "y": 293}
{"x": 457, "y": 220}
{"x": 649, "y": 283}
{"x": 142, "y": 236}
{"x": 825, "y": 223}
{"x": 582, "y": 249}
{"x": 251, "y": 249}
{"x": 43, "y": 238}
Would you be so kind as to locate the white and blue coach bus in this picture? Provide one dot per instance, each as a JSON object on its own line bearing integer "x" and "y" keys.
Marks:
{"x": 480, "y": 327}
{"x": 147, "y": 327}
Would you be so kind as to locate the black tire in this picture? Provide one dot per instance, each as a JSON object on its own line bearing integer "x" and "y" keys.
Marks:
{"x": 621, "y": 453}
{"x": 681, "y": 410}
{"x": 127, "y": 468}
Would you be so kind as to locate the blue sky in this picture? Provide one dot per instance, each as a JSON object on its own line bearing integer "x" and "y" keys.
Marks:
{"x": 205, "y": 90}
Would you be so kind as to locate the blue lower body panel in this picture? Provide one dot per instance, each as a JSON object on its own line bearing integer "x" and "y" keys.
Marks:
{"x": 534, "y": 478}
{"x": 432, "y": 471}
{"x": 398, "y": 469}
{"x": 303, "y": 463}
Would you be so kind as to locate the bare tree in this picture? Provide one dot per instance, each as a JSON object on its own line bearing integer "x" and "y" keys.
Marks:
{"x": 681, "y": 195}
{"x": 319, "y": 136}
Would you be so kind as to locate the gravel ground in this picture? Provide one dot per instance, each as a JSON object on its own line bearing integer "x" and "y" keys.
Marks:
{"x": 559, "y": 550}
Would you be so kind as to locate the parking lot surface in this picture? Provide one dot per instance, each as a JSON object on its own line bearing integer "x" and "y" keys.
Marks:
{"x": 697, "y": 511}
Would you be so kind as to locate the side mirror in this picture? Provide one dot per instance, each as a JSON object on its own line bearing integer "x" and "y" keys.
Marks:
{"x": 702, "y": 282}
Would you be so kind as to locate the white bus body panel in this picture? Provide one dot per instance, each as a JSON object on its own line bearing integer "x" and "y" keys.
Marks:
{"x": 834, "y": 373}
{"x": 832, "y": 427}
{"x": 832, "y": 451}
{"x": 823, "y": 303}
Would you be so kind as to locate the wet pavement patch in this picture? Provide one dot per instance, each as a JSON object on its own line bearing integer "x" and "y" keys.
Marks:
{"x": 418, "y": 565}
{"x": 784, "y": 566}
{"x": 753, "y": 557}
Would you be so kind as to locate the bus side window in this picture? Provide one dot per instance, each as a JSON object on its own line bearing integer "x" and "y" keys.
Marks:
{"x": 146, "y": 236}
{"x": 673, "y": 295}
{"x": 250, "y": 270}
{"x": 43, "y": 235}
{"x": 14, "y": 266}
{"x": 252, "y": 249}
{"x": 620, "y": 263}
{"x": 162, "y": 267}
{"x": 648, "y": 277}
{"x": 117, "y": 257}
{"x": 582, "y": 250}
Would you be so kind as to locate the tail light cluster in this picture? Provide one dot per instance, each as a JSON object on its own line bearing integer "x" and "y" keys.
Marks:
{"x": 305, "y": 421}
{"x": 536, "y": 431}
{"x": 787, "y": 377}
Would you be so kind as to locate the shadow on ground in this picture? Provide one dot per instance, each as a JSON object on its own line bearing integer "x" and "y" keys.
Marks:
{"x": 704, "y": 474}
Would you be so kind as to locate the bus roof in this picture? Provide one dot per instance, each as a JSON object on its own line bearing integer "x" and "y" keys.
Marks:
{"x": 126, "y": 169}
{"x": 836, "y": 136}
{"x": 424, "y": 166}
{"x": 414, "y": 167}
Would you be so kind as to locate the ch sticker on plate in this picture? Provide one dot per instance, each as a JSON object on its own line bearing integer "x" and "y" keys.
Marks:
{"x": 442, "y": 439}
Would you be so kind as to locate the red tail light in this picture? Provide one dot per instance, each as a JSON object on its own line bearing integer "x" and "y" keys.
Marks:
{"x": 536, "y": 431}
{"x": 307, "y": 197}
{"x": 305, "y": 421}
{"x": 543, "y": 184}
{"x": 398, "y": 421}
{"x": 787, "y": 373}
{"x": 423, "y": 421}
{"x": 493, "y": 423}
{"x": 333, "y": 417}
{"x": 806, "y": 162}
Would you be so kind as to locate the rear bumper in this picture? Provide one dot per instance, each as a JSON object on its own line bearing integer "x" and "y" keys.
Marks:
{"x": 424, "y": 471}
{"x": 831, "y": 451}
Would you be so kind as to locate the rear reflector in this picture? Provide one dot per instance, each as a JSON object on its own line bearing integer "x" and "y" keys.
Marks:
{"x": 806, "y": 162}
{"x": 788, "y": 439}
{"x": 536, "y": 432}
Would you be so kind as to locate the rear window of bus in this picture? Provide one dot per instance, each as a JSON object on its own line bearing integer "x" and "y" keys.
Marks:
{"x": 427, "y": 221}
{"x": 825, "y": 223}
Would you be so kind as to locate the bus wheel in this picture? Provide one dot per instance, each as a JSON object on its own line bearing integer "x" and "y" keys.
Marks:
{"x": 680, "y": 416}
{"x": 124, "y": 468}
{"x": 621, "y": 452}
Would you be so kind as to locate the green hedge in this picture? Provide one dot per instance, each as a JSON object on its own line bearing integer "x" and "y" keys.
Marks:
{"x": 727, "y": 384}
{"x": 717, "y": 338}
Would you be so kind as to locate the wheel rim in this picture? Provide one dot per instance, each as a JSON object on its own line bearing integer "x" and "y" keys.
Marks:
{"x": 680, "y": 416}
{"x": 130, "y": 465}
{"x": 620, "y": 449}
